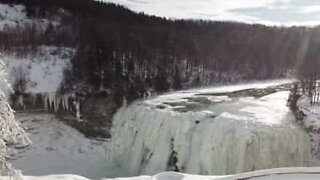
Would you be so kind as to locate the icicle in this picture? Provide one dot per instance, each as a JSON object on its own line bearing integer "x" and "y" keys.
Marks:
{"x": 57, "y": 102}
{"x": 33, "y": 98}
{"x": 50, "y": 100}
{"x": 45, "y": 101}
{"x": 77, "y": 107}
{"x": 20, "y": 101}
{"x": 124, "y": 101}
{"x": 65, "y": 102}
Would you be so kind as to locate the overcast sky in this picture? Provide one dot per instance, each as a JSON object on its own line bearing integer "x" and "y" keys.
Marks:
{"x": 270, "y": 12}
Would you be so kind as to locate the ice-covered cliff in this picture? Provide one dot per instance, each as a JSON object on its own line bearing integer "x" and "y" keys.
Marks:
{"x": 39, "y": 76}
{"x": 210, "y": 131}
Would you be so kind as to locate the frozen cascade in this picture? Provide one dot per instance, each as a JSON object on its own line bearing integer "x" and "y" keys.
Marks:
{"x": 56, "y": 101}
{"x": 208, "y": 134}
{"x": 51, "y": 101}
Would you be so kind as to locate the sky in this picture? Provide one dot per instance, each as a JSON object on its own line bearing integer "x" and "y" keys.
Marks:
{"x": 268, "y": 12}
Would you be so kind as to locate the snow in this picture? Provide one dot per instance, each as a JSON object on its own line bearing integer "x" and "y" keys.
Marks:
{"x": 14, "y": 15}
{"x": 11, "y": 15}
{"x": 58, "y": 148}
{"x": 179, "y": 95}
{"x": 50, "y": 177}
{"x": 311, "y": 122}
{"x": 5, "y": 88}
{"x": 274, "y": 174}
{"x": 10, "y": 129}
{"x": 43, "y": 72}
{"x": 237, "y": 87}
{"x": 208, "y": 134}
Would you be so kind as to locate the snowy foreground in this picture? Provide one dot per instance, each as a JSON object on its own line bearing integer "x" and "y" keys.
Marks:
{"x": 270, "y": 174}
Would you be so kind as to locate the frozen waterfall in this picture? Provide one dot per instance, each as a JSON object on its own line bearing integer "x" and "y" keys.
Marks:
{"x": 210, "y": 131}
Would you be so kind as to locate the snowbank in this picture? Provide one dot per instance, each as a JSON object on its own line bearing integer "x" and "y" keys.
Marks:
{"x": 206, "y": 134}
{"x": 274, "y": 174}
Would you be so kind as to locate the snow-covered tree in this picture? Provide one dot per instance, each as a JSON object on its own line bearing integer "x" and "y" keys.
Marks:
{"x": 10, "y": 129}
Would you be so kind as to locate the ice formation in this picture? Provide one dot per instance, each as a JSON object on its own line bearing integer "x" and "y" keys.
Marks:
{"x": 311, "y": 122}
{"x": 10, "y": 130}
{"x": 77, "y": 107}
{"x": 43, "y": 74}
{"x": 56, "y": 101}
{"x": 53, "y": 101}
{"x": 208, "y": 134}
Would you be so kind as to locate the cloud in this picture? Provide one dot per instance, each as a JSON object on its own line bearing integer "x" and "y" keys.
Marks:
{"x": 311, "y": 9}
{"x": 270, "y": 12}
{"x": 137, "y": 1}
{"x": 285, "y": 13}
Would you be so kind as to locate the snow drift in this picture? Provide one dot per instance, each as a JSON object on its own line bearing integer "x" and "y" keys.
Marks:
{"x": 274, "y": 174}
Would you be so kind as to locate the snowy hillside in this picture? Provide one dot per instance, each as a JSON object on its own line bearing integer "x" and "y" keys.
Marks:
{"x": 15, "y": 15}
{"x": 42, "y": 72}
{"x": 41, "y": 67}
{"x": 11, "y": 15}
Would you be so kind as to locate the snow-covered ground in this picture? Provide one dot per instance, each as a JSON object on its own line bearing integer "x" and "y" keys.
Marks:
{"x": 311, "y": 122}
{"x": 270, "y": 174}
{"x": 59, "y": 149}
